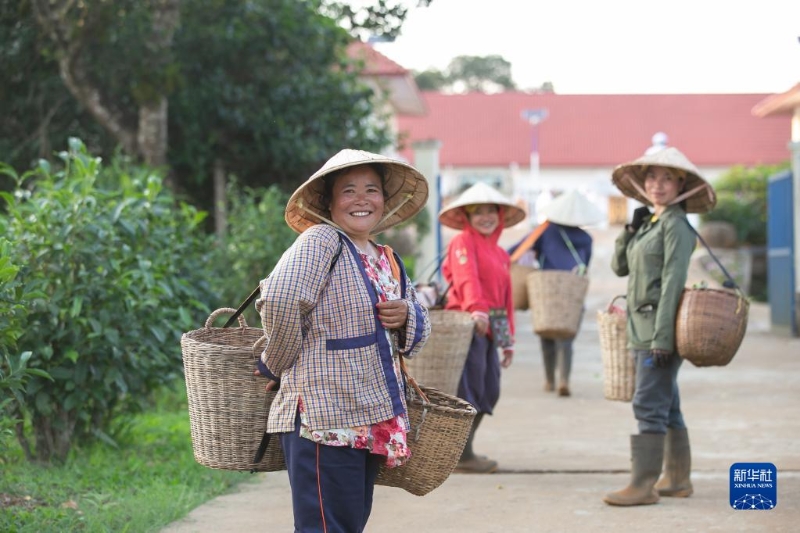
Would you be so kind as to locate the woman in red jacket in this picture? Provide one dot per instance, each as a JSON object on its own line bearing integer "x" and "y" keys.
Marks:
{"x": 477, "y": 270}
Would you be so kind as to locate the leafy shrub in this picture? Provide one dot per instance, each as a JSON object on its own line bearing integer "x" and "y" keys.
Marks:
{"x": 120, "y": 274}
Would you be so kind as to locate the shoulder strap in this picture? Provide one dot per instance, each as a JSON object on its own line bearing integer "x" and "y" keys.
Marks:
{"x": 571, "y": 247}
{"x": 529, "y": 241}
{"x": 730, "y": 283}
{"x": 392, "y": 262}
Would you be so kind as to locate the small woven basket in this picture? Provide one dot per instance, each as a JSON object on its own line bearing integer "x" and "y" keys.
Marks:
{"x": 440, "y": 363}
{"x": 228, "y": 405}
{"x": 556, "y": 299}
{"x": 519, "y": 285}
{"x": 619, "y": 368}
{"x": 440, "y": 425}
{"x": 710, "y": 325}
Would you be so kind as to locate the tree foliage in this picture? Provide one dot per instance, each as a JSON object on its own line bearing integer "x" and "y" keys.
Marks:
{"x": 490, "y": 73}
{"x": 119, "y": 273}
{"x": 263, "y": 85}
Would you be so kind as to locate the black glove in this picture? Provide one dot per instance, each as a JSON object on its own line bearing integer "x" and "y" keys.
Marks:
{"x": 640, "y": 214}
{"x": 660, "y": 358}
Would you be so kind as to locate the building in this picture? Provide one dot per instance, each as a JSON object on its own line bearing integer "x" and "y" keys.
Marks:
{"x": 530, "y": 144}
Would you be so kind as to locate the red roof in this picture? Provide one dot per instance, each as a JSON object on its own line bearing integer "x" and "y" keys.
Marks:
{"x": 482, "y": 130}
{"x": 375, "y": 63}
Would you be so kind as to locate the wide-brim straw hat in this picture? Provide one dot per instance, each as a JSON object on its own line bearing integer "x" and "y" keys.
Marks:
{"x": 573, "y": 209}
{"x": 405, "y": 190}
{"x": 698, "y": 193}
{"x": 452, "y": 215}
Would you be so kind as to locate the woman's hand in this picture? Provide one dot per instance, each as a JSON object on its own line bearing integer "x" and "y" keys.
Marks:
{"x": 508, "y": 357}
{"x": 271, "y": 384}
{"x": 661, "y": 358}
{"x": 393, "y": 314}
{"x": 481, "y": 324}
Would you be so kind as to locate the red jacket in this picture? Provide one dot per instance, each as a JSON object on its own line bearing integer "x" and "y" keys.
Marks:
{"x": 478, "y": 271}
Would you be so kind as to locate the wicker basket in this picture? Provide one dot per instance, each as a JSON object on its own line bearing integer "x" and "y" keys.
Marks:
{"x": 556, "y": 299}
{"x": 619, "y": 367}
{"x": 440, "y": 425}
{"x": 228, "y": 405}
{"x": 519, "y": 285}
{"x": 440, "y": 363}
{"x": 710, "y": 325}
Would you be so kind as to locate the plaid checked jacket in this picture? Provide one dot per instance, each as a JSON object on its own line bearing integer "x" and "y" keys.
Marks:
{"x": 324, "y": 339}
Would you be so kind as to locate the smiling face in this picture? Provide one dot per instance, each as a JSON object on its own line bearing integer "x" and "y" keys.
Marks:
{"x": 357, "y": 202}
{"x": 662, "y": 185}
{"x": 484, "y": 217}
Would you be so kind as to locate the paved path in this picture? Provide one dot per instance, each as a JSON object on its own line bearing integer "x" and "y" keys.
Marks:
{"x": 559, "y": 456}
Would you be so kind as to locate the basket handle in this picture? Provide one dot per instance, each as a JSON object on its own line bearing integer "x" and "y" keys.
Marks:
{"x": 412, "y": 381}
{"x": 224, "y": 310}
{"x": 614, "y": 299}
{"x": 258, "y": 344}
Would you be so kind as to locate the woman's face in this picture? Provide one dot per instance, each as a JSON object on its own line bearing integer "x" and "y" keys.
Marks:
{"x": 662, "y": 185}
{"x": 485, "y": 218}
{"x": 357, "y": 201}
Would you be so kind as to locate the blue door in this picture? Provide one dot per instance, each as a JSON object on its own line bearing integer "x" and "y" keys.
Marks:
{"x": 780, "y": 251}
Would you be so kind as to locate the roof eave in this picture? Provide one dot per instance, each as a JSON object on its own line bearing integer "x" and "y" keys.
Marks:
{"x": 784, "y": 103}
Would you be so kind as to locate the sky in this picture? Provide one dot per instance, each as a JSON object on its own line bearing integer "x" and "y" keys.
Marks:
{"x": 614, "y": 46}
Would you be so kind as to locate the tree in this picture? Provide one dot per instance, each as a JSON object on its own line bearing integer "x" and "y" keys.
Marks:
{"x": 469, "y": 73}
{"x": 485, "y": 74}
{"x": 382, "y": 19}
{"x": 431, "y": 80}
{"x": 94, "y": 36}
{"x": 259, "y": 89}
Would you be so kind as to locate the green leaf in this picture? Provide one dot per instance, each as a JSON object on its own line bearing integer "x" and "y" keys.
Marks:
{"x": 72, "y": 355}
{"x": 77, "y": 303}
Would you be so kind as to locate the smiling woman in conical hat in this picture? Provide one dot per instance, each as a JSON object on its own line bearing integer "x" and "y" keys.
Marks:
{"x": 405, "y": 190}
{"x": 697, "y": 193}
{"x": 477, "y": 271}
{"x": 654, "y": 251}
{"x": 338, "y": 311}
{"x": 454, "y": 214}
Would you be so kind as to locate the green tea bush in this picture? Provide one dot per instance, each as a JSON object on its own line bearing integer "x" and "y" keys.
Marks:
{"x": 118, "y": 275}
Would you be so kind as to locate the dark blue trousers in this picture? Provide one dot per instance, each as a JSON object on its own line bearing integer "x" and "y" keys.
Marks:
{"x": 332, "y": 486}
{"x": 480, "y": 381}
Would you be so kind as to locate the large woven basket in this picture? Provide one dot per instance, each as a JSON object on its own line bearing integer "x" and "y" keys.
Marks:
{"x": 556, "y": 299}
{"x": 440, "y": 363}
{"x": 519, "y": 285}
{"x": 619, "y": 367}
{"x": 440, "y": 425}
{"x": 710, "y": 325}
{"x": 228, "y": 405}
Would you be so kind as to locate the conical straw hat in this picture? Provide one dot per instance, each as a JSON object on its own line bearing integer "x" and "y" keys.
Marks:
{"x": 480, "y": 193}
{"x": 629, "y": 179}
{"x": 405, "y": 189}
{"x": 573, "y": 209}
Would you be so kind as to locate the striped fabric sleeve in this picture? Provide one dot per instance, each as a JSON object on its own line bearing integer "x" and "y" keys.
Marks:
{"x": 291, "y": 292}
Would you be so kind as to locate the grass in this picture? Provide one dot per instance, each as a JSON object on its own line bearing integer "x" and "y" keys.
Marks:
{"x": 149, "y": 482}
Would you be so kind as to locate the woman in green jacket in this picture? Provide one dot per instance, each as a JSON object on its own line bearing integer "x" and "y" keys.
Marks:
{"x": 654, "y": 252}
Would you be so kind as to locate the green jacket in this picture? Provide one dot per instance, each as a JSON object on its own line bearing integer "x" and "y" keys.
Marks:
{"x": 656, "y": 261}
